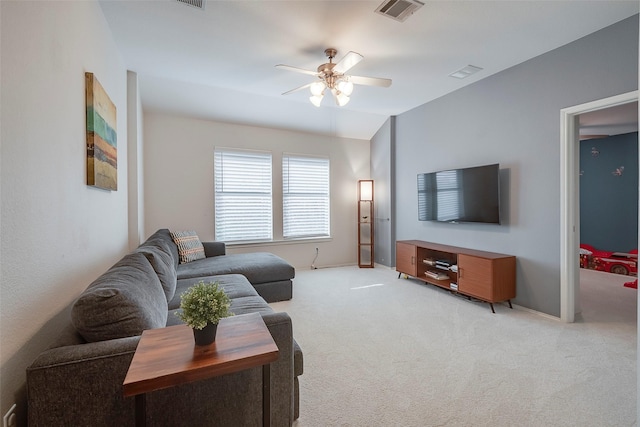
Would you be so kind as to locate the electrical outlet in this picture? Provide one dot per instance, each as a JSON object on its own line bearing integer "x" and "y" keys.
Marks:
{"x": 10, "y": 419}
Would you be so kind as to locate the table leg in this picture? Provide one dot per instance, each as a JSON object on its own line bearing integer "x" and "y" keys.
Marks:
{"x": 266, "y": 395}
{"x": 141, "y": 410}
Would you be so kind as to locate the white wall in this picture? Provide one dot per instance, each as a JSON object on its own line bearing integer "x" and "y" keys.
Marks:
{"x": 135, "y": 163}
{"x": 178, "y": 181}
{"x": 513, "y": 118}
{"x": 57, "y": 234}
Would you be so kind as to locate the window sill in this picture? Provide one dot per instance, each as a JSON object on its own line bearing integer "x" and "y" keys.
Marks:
{"x": 279, "y": 242}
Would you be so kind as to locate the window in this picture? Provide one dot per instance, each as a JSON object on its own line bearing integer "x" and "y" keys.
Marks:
{"x": 242, "y": 195}
{"x": 305, "y": 196}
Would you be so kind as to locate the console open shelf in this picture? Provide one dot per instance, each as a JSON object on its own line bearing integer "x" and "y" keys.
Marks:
{"x": 486, "y": 276}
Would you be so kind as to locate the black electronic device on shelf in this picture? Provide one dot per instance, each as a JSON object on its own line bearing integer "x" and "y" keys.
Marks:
{"x": 443, "y": 264}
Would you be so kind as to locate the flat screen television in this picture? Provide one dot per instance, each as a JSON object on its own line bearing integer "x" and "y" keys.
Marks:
{"x": 460, "y": 195}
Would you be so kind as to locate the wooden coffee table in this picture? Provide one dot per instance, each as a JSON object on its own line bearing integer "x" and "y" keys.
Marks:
{"x": 168, "y": 357}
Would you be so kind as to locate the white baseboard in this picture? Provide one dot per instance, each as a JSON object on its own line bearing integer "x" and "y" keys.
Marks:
{"x": 539, "y": 313}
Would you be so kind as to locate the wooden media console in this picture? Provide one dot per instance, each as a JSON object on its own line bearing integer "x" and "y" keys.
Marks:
{"x": 487, "y": 276}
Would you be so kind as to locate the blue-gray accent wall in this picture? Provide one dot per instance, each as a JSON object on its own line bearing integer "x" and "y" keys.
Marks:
{"x": 513, "y": 118}
{"x": 609, "y": 192}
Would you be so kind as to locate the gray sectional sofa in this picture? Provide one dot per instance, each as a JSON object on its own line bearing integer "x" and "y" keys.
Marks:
{"x": 78, "y": 381}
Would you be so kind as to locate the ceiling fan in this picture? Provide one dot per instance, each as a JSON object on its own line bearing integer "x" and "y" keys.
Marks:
{"x": 332, "y": 76}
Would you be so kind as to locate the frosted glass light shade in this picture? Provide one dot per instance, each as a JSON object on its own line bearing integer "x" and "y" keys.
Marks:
{"x": 316, "y": 100}
{"x": 342, "y": 99}
{"x": 317, "y": 88}
{"x": 345, "y": 87}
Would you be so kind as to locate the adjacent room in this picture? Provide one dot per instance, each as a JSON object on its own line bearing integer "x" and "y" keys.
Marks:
{"x": 400, "y": 212}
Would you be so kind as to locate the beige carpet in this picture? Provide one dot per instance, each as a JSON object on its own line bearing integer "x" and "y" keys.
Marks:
{"x": 382, "y": 351}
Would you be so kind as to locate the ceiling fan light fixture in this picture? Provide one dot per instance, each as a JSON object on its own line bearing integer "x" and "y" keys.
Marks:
{"x": 333, "y": 77}
{"x": 317, "y": 88}
{"x": 342, "y": 99}
{"x": 346, "y": 87}
{"x": 316, "y": 99}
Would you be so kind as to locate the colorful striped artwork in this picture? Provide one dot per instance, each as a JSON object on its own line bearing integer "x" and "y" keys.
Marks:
{"x": 102, "y": 137}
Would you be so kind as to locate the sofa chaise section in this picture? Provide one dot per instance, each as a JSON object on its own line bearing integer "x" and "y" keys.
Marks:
{"x": 269, "y": 274}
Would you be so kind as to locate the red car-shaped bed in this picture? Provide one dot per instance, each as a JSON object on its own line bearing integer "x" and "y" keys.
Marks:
{"x": 611, "y": 262}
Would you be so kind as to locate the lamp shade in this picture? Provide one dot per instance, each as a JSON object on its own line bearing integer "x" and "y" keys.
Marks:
{"x": 316, "y": 100}
{"x": 345, "y": 87}
{"x": 365, "y": 190}
{"x": 317, "y": 88}
{"x": 342, "y": 99}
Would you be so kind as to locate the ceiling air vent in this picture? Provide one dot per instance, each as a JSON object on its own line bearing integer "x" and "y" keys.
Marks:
{"x": 465, "y": 72}
{"x": 194, "y": 3}
{"x": 399, "y": 10}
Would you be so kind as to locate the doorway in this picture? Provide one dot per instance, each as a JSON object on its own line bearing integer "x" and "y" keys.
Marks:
{"x": 569, "y": 198}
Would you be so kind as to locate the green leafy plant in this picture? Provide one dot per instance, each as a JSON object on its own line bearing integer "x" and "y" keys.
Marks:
{"x": 204, "y": 303}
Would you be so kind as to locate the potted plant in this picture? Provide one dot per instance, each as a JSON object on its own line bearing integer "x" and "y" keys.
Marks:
{"x": 202, "y": 307}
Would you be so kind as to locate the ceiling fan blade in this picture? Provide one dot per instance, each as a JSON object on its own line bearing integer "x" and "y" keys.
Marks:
{"x": 349, "y": 60}
{"x": 297, "y": 89}
{"x": 370, "y": 81}
{"x": 297, "y": 70}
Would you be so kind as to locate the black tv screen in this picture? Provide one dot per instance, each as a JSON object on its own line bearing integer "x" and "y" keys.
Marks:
{"x": 460, "y": 195}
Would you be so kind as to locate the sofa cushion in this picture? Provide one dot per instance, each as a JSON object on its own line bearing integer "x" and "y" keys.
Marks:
{"x": 234, "y": 285}
{"x": 258, "y": 267}
{"x": 162, "y": 239}
{"x": 190, "y": 247}
{"x": 162, "y": 264}
{"x": 127, "y": 299}
{"x": 253, "y": 304}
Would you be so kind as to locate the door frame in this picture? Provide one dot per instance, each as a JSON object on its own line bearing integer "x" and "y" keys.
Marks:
{"x": 570, "y": 200}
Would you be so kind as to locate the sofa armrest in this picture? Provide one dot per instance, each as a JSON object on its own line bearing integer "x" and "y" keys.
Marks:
{"x": 81, "y": 385}
{"x": 233, "y": 399}
{"x": 282, "y": 370}
{"x": 212, "y": 249}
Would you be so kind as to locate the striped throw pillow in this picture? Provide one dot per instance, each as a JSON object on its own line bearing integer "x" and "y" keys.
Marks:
{"x": 189, "y": 246}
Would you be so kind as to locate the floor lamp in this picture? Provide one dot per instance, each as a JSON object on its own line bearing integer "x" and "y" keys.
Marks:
{"x": 365, "y": 223}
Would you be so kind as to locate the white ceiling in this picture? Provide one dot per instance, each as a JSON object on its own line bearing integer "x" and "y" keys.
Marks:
{"x": 218, "y": 63}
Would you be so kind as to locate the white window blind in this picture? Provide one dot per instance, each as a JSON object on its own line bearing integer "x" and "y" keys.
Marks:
{"x": 243, "y": 208}
{"x": 305, "y": 196}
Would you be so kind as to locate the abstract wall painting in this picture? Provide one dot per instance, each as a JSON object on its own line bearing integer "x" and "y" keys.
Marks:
{"x": 102, "y": 144}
